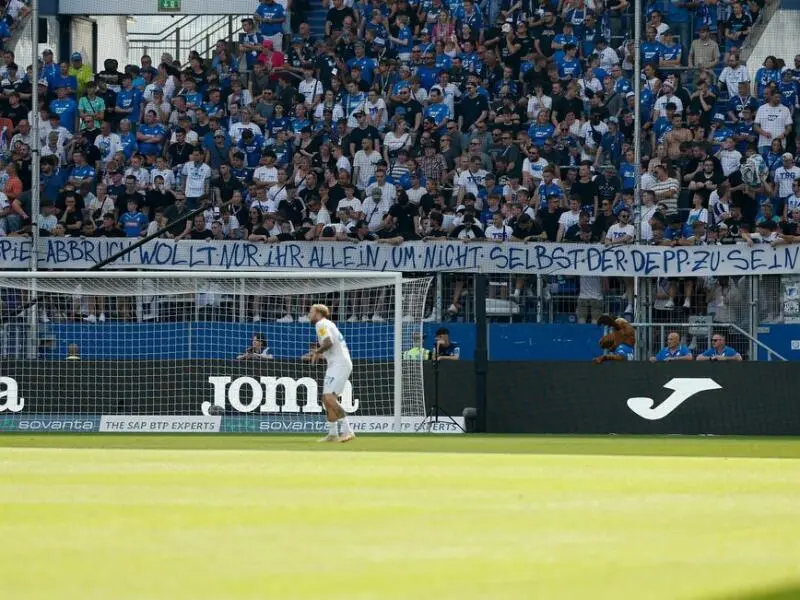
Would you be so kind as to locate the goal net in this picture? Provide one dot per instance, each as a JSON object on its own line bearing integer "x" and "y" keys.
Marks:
{"x": 166, "y": 351}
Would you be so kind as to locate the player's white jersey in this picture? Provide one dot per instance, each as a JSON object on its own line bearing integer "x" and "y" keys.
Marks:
{"x": 338, "y": 355}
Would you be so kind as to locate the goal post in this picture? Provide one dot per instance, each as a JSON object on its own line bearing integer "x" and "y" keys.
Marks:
{"x": 204, "y": 351}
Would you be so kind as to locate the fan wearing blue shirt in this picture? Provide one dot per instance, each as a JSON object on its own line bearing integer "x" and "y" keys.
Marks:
{"x": 788, "y": 90}
{"x": 738, "y": 103}
{"x": 62, "y": 78}
{"x": 719, "y": 132}
{"x": 719, "y": 351}
{"x": 428, "y": 72}
{"x": 548, "y": 190}
{"x": 744, "y": 132}
{"x": 151, "y": 135}
{"x": 270, "y": 17}
{"x": 627, "y": 172}
{"x": 133, "y": 222}
{"x": 468, "y": 15}
{"x": 471, "y": 60}
{"x": 363, "y": 62}
{"x": 437, "y": 110}
{"x": 651, "y": 48}
{"x": 569, "y": 67}
{"x": 674, "y": 350}
{"x": 251, "y": 145}
{"x": 541, "y": 131}
{"x": 66, "y": 108}
{"x": 129, "y": 100}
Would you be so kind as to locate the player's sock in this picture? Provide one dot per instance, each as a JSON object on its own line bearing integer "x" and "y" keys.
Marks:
{"x": 345, "y": 426}
{"x": 333, "y": 428}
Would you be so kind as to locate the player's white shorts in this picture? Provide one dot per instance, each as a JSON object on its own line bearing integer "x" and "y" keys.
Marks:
{"x": 335, "y": 380}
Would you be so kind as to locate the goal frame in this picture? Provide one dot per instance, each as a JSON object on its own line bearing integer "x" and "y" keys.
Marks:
{"x": 382, "y": 278}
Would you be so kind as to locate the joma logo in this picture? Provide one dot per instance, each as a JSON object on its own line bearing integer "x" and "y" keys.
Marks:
{"x": 682, "y": 390}
{"x": 263, "y": 395}
{"x": 9, "y": 395}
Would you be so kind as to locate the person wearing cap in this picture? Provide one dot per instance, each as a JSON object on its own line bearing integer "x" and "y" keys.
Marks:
{"x": 48, "y": 68}
{"x": 668, "y": 96}
{"x": 270, "y": 17}
{"x": 82, "y": 73}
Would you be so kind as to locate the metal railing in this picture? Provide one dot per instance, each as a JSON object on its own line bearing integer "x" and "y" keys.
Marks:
{"x": 188, "y": 33}
{"x": 693, "y": 332}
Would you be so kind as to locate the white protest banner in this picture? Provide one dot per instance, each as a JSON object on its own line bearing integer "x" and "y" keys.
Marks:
{"x": 475, "y": 257}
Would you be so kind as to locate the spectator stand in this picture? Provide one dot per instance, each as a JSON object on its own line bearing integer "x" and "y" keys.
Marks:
{"x": 387, "y": 122}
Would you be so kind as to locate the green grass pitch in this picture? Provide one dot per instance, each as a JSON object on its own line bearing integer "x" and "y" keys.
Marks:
{"x": 115, "y": 517}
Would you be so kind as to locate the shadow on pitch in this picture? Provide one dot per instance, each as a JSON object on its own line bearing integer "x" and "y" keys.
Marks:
{"x": 790, "y": 591}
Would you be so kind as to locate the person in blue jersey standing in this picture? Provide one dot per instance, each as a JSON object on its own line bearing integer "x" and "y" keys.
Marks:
{"x": 674, "y": 350}
{"x": 270, "y": 17}
{"x": 719, "y": 351}
{"x": 444, "y": 348}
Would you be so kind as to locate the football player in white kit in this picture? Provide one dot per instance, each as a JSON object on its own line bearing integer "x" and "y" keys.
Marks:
{"x": 333, "y": 348}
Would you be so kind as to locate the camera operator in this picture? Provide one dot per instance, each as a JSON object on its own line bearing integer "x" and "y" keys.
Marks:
{"x": 445, "y": 348}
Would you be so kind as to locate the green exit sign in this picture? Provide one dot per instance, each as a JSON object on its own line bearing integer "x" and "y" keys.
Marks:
{"x": 169, "y": 5}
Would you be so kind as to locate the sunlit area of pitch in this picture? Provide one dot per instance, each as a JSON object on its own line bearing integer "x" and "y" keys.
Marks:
{"x": 293, "y": 521}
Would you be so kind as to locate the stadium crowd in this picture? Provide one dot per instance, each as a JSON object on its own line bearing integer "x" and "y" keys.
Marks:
{"x": 505, "y": 121}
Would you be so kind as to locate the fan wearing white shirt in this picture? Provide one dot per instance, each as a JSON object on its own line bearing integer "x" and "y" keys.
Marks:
{"x": 375, "y": 207}
{"x": 569, "y": 218}
{"x": 792, "y": 203}
{"x": 351, "y": 202}
{"x": 538, "y": 102}
{"x": 165, "y": 172}
{"x": 108, "y": 143}
{"x": 311, "y": 88}
{"x": 375, "y": 109}
{"x": 621, "y": 232}
{"x": 196, "y": 175}
{"x": 497, "y": 231}
{"x": 388, "y": 190}
{"x": 468, "y": 180}
{"x": 277, "y": 193}
{"x": 660, "y": 106}
{"x": 236, "y": 129}
{"x": 532, "y": 168}
{"x": 729, "y": 157}
{"x": 608, "y": 56}
{"x": 773, "y": 122}
{"x": 267, "y": 174}
{"x": 733, "y": 74}
{"x": 784, "y": 178}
